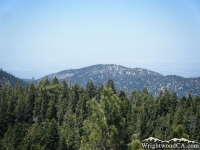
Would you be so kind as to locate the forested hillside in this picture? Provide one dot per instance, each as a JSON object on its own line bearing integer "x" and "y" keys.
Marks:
{"x": 128, "y": 79}
{"x": 53, "y": 115}
{"x": 9, "y": 79}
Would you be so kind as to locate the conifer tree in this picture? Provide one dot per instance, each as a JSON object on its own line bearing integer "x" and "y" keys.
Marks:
{"x": 178, "y": 117}
{"x": 110, "y": 84}
{"x": 51, "y": 111}
{"x": 51, "y": 136}
{"x": 173, "y": 102}
{"x": 31, "y": 97}
{"x": 67, "y": 131}
{"x": 20, "y": 109}
{"x": 62, "y": 109}
{"x": 44, "y": 104}
{"x": 178, "y": 132}
{"x": 91, "y": 89}
{"x": 125, "y": 110}
{"x": 196, "y": 134}
{"x": 55, "y": 81}
{"x": 34, "y": 138}
{"x": 135, "y": 144}
{"x": 14, "y": 136}
{"x": 76, "y": 95}
{"x": 7, "y": 106}
{"x": 65, "y": 90}
{"x": 102, "y": 128}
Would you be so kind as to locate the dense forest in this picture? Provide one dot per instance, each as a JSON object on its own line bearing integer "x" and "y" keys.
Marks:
{"x": 53, "y": 115}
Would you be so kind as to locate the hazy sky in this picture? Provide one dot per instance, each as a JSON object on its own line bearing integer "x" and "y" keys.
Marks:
{"x": 42, "y": 37}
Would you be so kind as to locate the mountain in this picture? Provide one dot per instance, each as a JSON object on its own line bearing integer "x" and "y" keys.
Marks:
{"x": 27, "y": 80}
{"x": 129, "y": 79}
{"x": 9, "y": 79}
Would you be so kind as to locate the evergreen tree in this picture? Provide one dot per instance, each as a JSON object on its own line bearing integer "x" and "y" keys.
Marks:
{"x": 51, "y": 136}
{"x": 20, "y": 109}
{"x": 110, "y": 84}
{"x": 102, "y": 128}
{"x": 163, "y": 128}
{"x": 173, "y": 101}
{"x": 67, "y": 131}
{"x": 125, "y": 110}
{"x": 65, "y": 90}
{"x": 135, "y": 144}
{"x": 34, "y": 138}
{"x": 196, "y": 135}
{"x": 7, "y": 106}
{"x": 91, "y": 118}
{"x": 55, "y": 81}
{"x": 46, "y": 81}
{"x": 178, "y": 117}
{"x": 91, "y": 89}
{"x": 31, "y": 98}
{"x": 51, "y": 111}
{"x": 62, "y": 109}
{"x": 13, "y": 137}
{"x": 76, "y": 94}
{"x": 37, "y": 110}
{"x": 44, "y": 106}
{"x": 178, "y": 132}
{"x": 162, "y": 103}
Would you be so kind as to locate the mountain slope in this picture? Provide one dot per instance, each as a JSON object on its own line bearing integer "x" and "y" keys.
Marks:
{"x": 130, "y": 79}
{"x": 9, "y": 79}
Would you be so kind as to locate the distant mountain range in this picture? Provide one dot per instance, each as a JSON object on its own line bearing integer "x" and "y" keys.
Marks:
{"x": 126, "y": 79}
{"x": 129, "y": 79}
{"x": 9, "y": 79}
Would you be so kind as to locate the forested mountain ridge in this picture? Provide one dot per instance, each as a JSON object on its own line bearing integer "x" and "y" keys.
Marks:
{"x": 128, "y": 79}
{"x": 51, "y": 115}
{"x": 9, "y": 79}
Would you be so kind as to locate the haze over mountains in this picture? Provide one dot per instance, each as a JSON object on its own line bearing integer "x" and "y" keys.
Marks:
{"x": 126, "y": 79}
{"x": 129, "y": 79}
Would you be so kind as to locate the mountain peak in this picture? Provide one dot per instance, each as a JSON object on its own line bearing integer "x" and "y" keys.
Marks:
{"x": 129, "y": 79}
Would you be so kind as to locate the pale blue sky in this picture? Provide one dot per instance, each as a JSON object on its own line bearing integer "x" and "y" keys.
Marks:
{"x": 42, "y": 37}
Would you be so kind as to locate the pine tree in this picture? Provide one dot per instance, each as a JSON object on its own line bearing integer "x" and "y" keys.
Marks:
{"x": 51, "y": 111}
{"x": 51, "y": 136}
{"x": 102, "y": 128}
{"x": 197, "y": 126}
{"x": 76, "y": 95}
{"x": 125, "y": 110}
{"x": 62, "y": 109}
{"x": 55, "y": 81}
{"x": 13, "y": 137}
{"x": 173, "y": 102}
{"x": 37, "y": 110}
{"x": 7, "y": 106}
{"x": 67, "y": 131}
{"x": 178, "y": 117}
{"x": 110, "y": 84}
{"x": 178, "y": 132}
{"x": 65, "y": 90}
{"x": 34, "y": 138}
{"x": 31, "y": 97}
{"x": 91, "y": 89}
{"x": 135, "y": 144}
{"x": 163, "y": 128}
{"x": 20, "y": 109}
{"x": 44, "y": 106}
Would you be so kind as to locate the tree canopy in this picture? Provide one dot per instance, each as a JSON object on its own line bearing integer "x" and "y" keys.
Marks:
{"x": 51, "y": 115}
